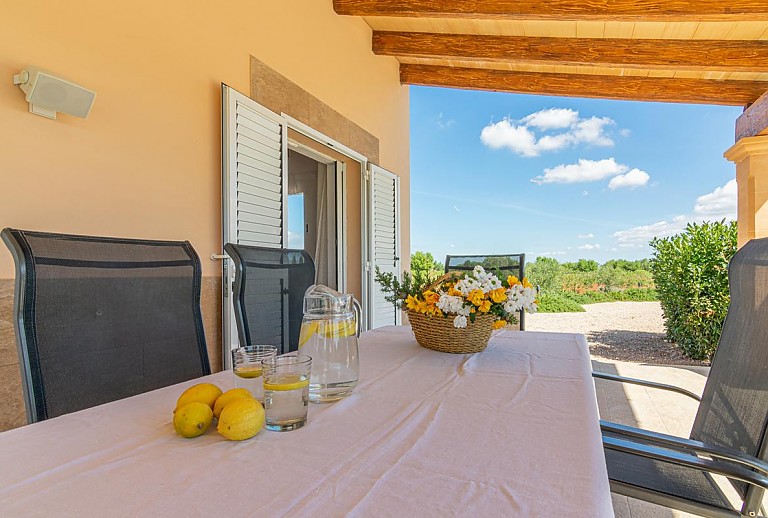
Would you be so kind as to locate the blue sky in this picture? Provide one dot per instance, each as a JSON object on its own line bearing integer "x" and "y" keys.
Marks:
{"x": 562, "y": 177}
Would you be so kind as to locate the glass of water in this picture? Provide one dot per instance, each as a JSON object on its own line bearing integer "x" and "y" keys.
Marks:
{"x": 286, "y": 391}
{"x": 246, "y": 364}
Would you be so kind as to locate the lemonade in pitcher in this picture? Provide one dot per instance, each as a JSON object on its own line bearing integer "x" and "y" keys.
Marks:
{"x": 329, "y": 334}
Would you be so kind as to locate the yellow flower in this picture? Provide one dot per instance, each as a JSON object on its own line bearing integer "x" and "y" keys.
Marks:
{"x": 512, "y": 280}
{"x": 498, "y": 295}
{"x": 431, "y": 297}
{"x": 476, "y": 297}
{"x": 411, "y": 302}
{"x": 526, "y": 283}
{"x": 453, "y": 292}
{"x": 499, "y": 324}
{"x": 485, "y": 306}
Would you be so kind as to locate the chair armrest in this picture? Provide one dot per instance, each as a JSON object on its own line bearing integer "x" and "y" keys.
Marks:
{"x": 646, "y": 383}
{"x": 683, "y": 458}
{"x": 685, "y": 445}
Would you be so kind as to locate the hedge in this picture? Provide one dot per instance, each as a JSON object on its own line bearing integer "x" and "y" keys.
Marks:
{"x": 690, "y": 271}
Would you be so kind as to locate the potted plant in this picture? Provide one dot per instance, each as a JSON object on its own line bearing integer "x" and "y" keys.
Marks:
{"x": 456, "y": 313}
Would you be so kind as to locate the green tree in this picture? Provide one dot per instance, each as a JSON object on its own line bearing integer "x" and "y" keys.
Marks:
{"x": 423, "y": 263}
{"x": 690, "y": 270}
{"x": 545, "y": 272}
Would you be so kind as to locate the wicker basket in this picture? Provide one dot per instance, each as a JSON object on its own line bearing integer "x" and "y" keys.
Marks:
{"x": 438, "y": 333}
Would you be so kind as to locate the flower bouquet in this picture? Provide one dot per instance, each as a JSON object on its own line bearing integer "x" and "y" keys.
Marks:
{"x": 456, "y": 313}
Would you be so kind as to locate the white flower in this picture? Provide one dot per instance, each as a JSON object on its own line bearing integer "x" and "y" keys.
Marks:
{"x": 460, "y": 321}
{"x": 449, "y": 303}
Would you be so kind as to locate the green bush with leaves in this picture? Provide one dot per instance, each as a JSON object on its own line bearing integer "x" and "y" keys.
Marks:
{"x": 628, "y": 295}
{"x": 545, "y": 272}
{"x": 557, "y": 303}
{"x": 690, "y": 271}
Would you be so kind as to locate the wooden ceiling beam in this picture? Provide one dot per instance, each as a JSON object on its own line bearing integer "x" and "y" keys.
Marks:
{"x": 600, "y": 10}
{"x": 676, "y": 90}
{"x": 754, "y": 120}
{"x": 724, "y": 55}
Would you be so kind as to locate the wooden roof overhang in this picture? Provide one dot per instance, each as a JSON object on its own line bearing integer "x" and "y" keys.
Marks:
{"x": 688, "y": 51}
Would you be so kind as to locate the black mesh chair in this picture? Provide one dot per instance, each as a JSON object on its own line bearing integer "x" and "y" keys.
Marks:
{"x": 728, "y": 436}
{"x": 100, "y": 319}
{"x": 506, "y": 264}
{"x": 269, "y": 294}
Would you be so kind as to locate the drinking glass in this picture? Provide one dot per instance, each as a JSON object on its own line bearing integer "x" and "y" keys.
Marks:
{"x": 286, "y": 391}
{"x": 246, "y": 363}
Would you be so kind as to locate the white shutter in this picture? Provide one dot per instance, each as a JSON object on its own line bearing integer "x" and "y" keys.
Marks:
{"x": 256, "y": 146}
{"x": 384, "y": 241}
{"x": 254, "y": 167}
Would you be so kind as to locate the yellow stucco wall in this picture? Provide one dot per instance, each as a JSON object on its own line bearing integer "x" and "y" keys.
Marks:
{"x": 146, "y": 163}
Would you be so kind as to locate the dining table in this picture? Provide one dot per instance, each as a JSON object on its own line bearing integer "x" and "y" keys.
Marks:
{"x": 509, "y": 431}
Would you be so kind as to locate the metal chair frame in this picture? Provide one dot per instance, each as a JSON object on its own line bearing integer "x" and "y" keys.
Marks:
{"x": 239, "y": 291}
{"x": 711, "y": 459}
{"x": 25, "y": 311}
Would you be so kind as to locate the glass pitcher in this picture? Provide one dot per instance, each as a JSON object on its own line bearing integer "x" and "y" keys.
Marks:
{"x": 329, "y": 334}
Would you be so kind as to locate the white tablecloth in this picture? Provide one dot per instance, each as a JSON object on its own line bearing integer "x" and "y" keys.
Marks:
{"x": 511, "y": 431}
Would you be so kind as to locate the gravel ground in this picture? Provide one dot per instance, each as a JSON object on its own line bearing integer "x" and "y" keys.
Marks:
{"x": 624, "y": 331}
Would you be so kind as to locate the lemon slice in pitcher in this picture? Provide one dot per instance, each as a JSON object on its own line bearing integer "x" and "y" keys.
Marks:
{"x": 307, "y": 330}
{"x": 339, "y": 329}
{"x": 287, "y": 382}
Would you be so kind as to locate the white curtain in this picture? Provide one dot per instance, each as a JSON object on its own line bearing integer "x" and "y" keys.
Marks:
{"x": 321, "y": 244}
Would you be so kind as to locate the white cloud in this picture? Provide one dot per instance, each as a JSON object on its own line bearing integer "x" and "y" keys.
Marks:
{"x": 586, "y": 236}
{"x": 585, "y": 193}
{"x": 444, "y": 123}
{"x": 592, "y": 131}
{"x": 644, "y": 233}
{"x": 552, "y": 118}
{"x": 720, "y": 203}
{"x": 456, "y": 208}
{"x": 520, "y": 135}
{"x": 632, "y": 179}
{"x": 517, "y": 138}
{"x": 589, "y": 247}
{"x": 625, "y": 132}
{"x": 583, "y": 171}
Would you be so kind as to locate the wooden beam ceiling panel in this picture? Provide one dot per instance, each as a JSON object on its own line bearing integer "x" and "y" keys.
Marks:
{"x": 696, "y": 91}
{"x": 604, "y": 10}
{"x": 754, "y": 120}
{"x": 724, "y": 55}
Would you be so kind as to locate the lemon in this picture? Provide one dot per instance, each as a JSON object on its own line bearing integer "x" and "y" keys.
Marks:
{"x": 192, "y": 419}
{"x": 206, "y": 393}
{"x": 339, "y": 329}
{"x": 286, "y": 382}
{"x": 228, "y": 397}
{"x": 307, "y": 330}
{"x": 248, "y": 371}
{"x": 241, "y": 419}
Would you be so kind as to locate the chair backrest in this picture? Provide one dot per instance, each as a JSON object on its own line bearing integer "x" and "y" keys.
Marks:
{"x": 504, "y": 264}
{"x": 269, "y": 294}
{"x": 734, "y": 407}
{"x": 99, "y": 319}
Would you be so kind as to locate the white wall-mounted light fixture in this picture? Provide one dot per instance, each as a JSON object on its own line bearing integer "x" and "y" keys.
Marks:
{"x": 48, "y": 94}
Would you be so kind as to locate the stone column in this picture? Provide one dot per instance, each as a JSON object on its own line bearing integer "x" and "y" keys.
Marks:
{"x": 750, "y": 154}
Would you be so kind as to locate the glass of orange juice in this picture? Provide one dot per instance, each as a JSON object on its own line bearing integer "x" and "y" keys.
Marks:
{"x": 286, "y": 391}
{"x": 246, "y": 364}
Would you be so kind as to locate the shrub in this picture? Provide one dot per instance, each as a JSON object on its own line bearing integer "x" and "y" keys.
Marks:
{"x": 690, "y": 271}
{"x": 556, "y": 303}
{"x": 630, "y": 294}
{"x": 545, "y": 273}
